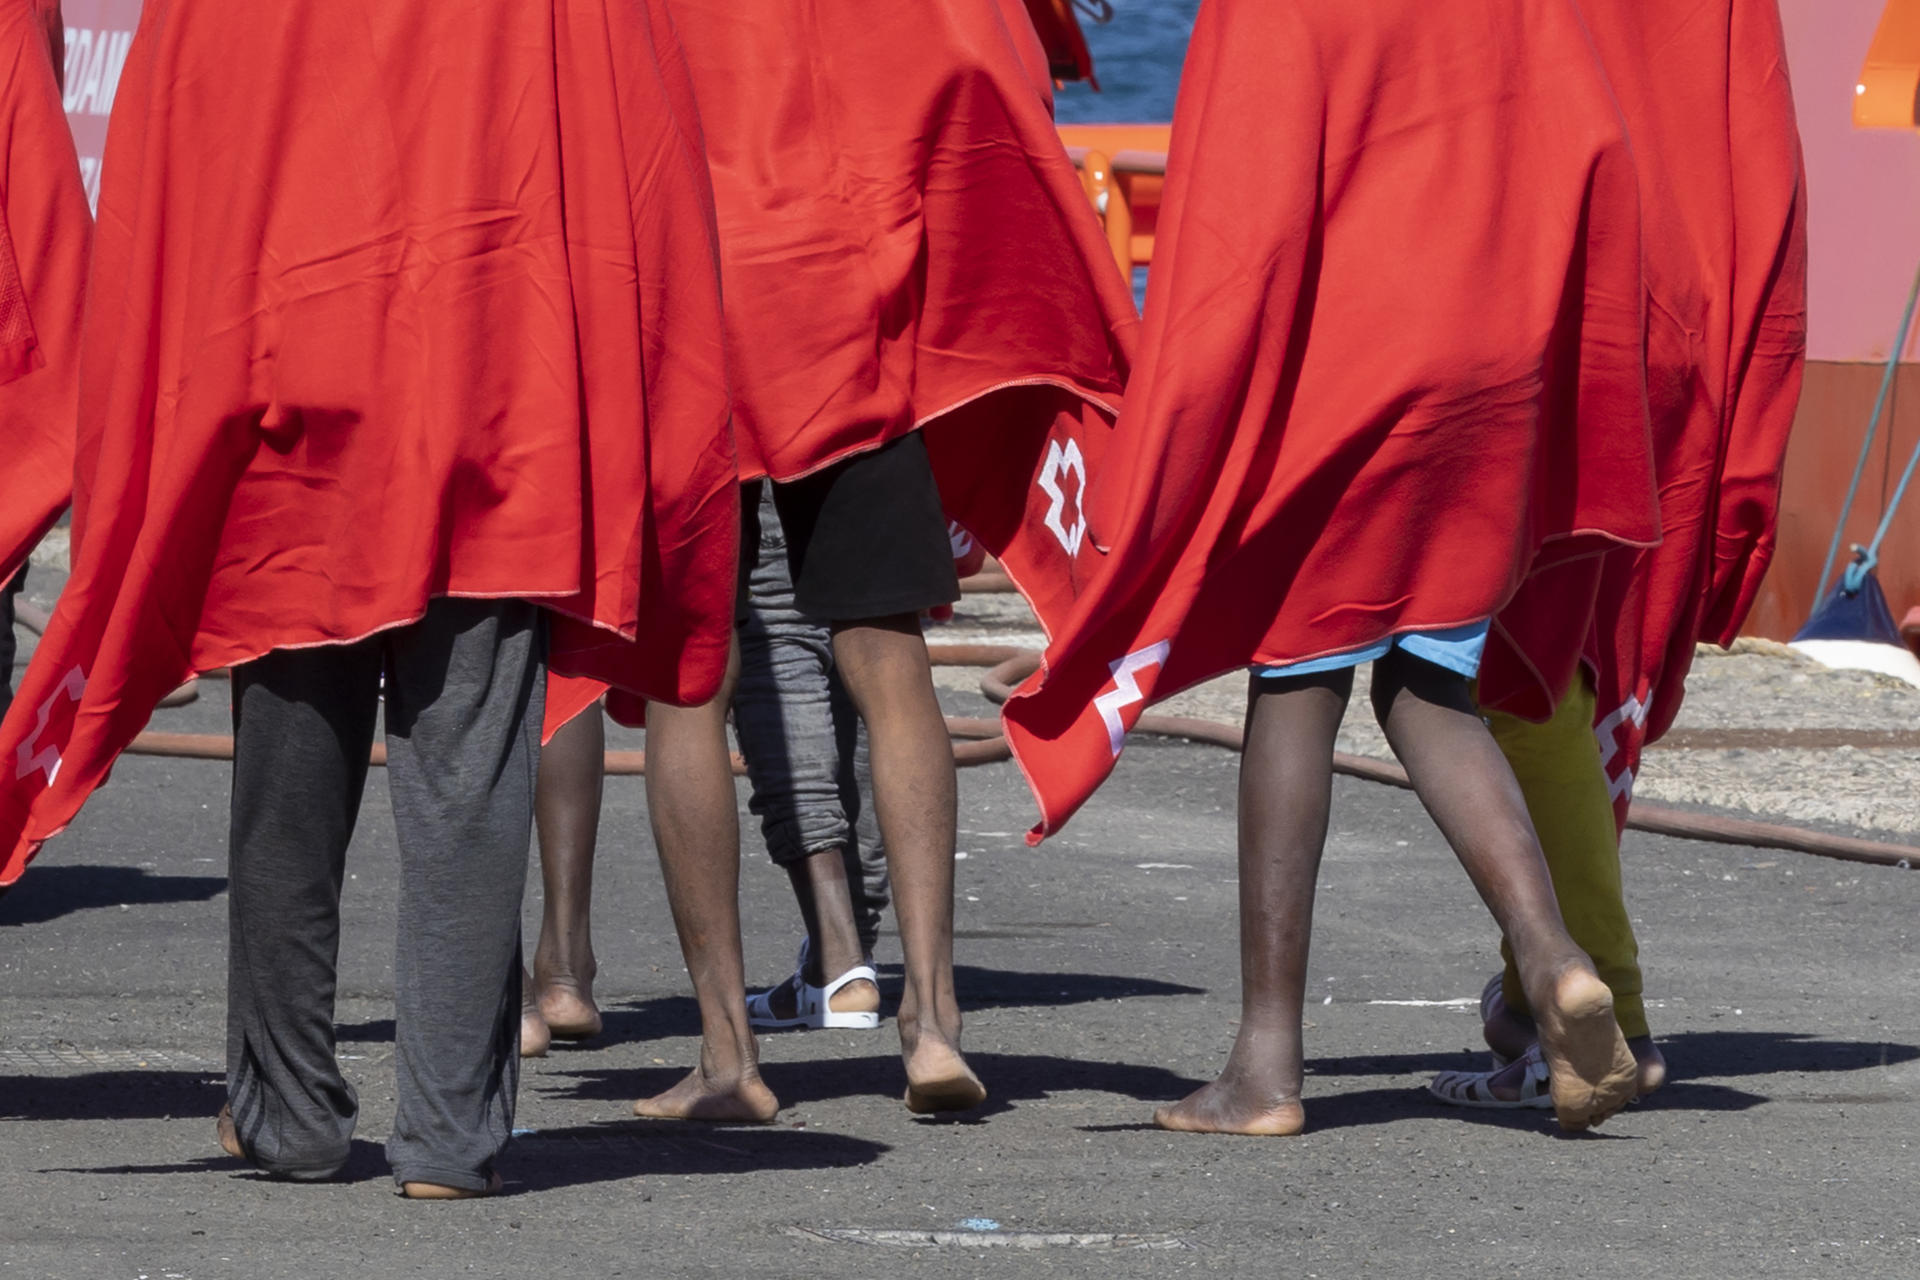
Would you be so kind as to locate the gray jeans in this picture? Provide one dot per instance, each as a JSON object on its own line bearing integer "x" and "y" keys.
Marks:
{"x": 805, "y": 748}
{"x": 464, "y": 690}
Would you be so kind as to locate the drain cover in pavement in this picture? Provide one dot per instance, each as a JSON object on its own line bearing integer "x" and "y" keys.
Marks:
{"x": 988, "y": 1239}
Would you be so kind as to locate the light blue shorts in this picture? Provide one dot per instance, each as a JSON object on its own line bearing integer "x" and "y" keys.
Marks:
{"x": 1458, "y": 649}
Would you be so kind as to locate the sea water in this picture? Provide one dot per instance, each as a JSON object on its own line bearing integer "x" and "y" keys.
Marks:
{"x": 1137, "y": 57}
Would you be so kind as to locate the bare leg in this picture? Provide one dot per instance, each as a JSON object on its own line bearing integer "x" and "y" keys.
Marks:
{"x": 572, "y": 773}
{"x": 1286, "y": 790}
{"x": 825, "y": 895}
{"x": 696, "y": 827}
{"x": 1467, "y": 786}
{"x": 883, "y": 664}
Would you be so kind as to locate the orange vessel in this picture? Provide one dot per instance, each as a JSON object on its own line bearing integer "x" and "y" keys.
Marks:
{"x": 1855, "y": 72}
{"x": 1124, "y": 167}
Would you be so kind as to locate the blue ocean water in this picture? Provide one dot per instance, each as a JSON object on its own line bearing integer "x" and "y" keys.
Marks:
{"x": 1137, "y": 57}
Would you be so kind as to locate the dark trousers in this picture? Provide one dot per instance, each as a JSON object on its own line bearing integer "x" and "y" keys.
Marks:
{"x": 9, "y": 643}
{"x": 465, "y": 689}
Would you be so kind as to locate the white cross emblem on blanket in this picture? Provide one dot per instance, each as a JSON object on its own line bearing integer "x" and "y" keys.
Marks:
{"x": 47, "y": 759}
{"x": 1060, "y": 463}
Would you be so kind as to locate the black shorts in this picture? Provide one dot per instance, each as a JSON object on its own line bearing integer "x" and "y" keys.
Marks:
{"x": 866, "y": 537}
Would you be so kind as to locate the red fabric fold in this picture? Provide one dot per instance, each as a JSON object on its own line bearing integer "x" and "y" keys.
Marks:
{"x": 44, "y": 231}
{"x": 359, "y": 336}
{"x": 1710, "y": 114}
{"x": 901, "y": 231}
{"x": 1392, "y": 359}
{"x": 906, "y": 245}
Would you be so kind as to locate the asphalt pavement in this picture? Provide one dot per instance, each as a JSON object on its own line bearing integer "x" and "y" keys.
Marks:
{"x": 1098, "y": 976}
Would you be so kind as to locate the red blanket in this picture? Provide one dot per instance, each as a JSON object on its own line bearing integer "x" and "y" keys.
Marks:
{"x": 392, "y": 299}
{"x": 44, "y": 229}
{"x": 905, "y": 244}
{"x": 901, "y": 231}
{"x": 1393, "y": 357}
{"x": 1704, "y": 91}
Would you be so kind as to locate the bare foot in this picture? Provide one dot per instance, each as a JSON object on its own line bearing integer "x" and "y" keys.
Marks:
{"x": 229, "y": 1135}
{"x": 569, "y": 1011}
{"x": 743, "y": 1100}
{"x": 437, "y": 1191}
{"x": 1593, "y": 1073}
{"x": 1651, "y": 1062}
{"x": 938, "y": 1077}
{"x": 535, "y": 1039}
{"x": 1227, "y": 1106}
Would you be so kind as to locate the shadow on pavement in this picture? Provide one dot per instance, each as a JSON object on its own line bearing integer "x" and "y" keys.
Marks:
{"x": 373, "y": 1031}
{"x": 112, "y": 1095}
{"x": 367, "y": 1162}
{"x": 1691, "y": 1055}
{"x": 49, "y": 893}
{"x": 1697, "y": 1060}
{"x": 553, "y": 1158}
{"x": 550, "y": 1159}
{"x": 1359, "y": 1108}
{"x": 1010, "y": 1078}
{"x": 666, "y": 1017}
{"x": 1762, "y": 1053}
{"x": 1014, "y": 989}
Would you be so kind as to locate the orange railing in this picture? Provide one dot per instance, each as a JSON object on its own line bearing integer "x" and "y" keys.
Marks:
{"x": 1123, "y": 167}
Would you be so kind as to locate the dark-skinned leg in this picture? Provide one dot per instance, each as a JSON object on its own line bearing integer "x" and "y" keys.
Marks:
{"x": 1466, "y": 785}
{"x": 825, "y": 897}
{"x": 567, "y": 812}
{"x": 696, "y": 827}
{"x": 884, "y": 666}
{"x": 1286, "y": 790}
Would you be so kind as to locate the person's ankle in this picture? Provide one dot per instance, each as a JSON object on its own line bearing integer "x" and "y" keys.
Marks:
{"x": 1544, "y": 968}
{"x": 559, "y": 971}
{"x": 828, "y": 958}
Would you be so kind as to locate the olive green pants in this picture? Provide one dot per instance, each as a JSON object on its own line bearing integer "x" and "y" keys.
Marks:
{"x": 1558, "y": 765}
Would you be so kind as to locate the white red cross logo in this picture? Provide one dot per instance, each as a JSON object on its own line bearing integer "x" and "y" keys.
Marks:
{"x": 1062, "y": 462}
{"x": 1619, "y": 749}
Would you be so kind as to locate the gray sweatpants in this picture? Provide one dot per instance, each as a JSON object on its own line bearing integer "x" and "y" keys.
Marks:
{"x": 464, "y": 691}
{"x": 805, "y": 748}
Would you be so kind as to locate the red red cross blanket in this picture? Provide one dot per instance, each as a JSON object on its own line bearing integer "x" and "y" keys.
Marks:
{"x": 905, "y": 245}
{"x": 1392, "y": 359}
{"x": 44, "y": 231}
{"x": 359, "y": 336}
{"x": 1710, "y": 114}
